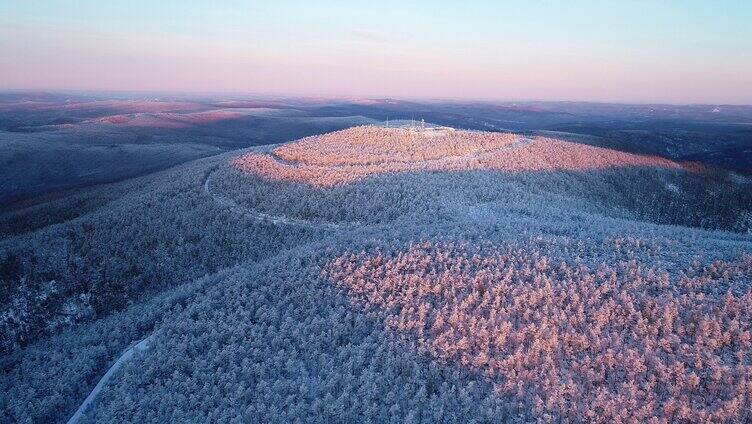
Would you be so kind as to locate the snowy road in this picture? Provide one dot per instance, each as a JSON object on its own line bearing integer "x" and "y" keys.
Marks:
{"x": 274, "y": 219}
{"x": 330, "y": 226}
{"x": 124, "y": 357}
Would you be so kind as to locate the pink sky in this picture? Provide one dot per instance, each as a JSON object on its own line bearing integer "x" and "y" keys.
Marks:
{"x": 264, "y": 51}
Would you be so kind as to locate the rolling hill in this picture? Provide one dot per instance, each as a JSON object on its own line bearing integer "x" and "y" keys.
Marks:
{"x": 387, "y": 274}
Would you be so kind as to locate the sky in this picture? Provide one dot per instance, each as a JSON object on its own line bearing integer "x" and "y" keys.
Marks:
{"x": 657, "y": 51}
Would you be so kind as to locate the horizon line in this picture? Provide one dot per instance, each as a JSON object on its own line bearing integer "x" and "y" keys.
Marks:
{"x": 309, "y": 96}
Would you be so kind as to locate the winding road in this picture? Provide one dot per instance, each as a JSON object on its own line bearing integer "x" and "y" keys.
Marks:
{"x": 274, "y": 219}
{"x": 124, "y": 357}
{"x": 331, "y": 226}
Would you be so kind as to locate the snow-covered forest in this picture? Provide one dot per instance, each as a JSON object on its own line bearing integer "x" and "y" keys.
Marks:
{"x": 395, "y": 174}
{"x": 387, "y": 275}
{"x": 336, "y": 159}
{"x": 626, "y": 340}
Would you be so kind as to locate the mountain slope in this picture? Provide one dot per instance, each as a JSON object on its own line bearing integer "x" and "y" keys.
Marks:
{"x": 393, "y": 275}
